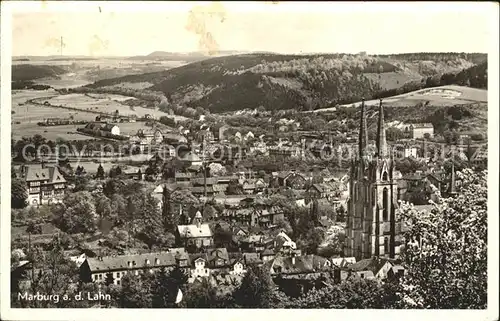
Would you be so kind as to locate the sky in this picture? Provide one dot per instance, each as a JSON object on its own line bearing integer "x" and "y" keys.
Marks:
{"x": 126, "y": 29}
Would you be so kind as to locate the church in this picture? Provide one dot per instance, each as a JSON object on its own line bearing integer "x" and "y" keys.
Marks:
{"x": 373, "y": 228}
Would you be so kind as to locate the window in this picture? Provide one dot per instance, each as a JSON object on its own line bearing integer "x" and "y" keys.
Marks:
{"x": 385, "y": 176}
{"x": 362, "y": 275}
{"x": 385, "y": 204}
{"x": 117, "y": 282}
{"x": 386, "y": 245}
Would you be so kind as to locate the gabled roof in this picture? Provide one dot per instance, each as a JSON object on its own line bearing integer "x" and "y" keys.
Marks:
{"x": 218, "y": 253}
{"x": 343, "y": 261}
{"x": 201, "y": 182}
{"x": 299, "y": 264}
{"x": 50, "y": 173}
{"x": 191, "y": 157}
{"x": 423, "y": 125}
{"x": 110, "y": 263}
{"x": 267, "y": 252}
{"x": 372, "y": 264}
{"x": 251, "y": 258}
{"x": 191, "y": 231}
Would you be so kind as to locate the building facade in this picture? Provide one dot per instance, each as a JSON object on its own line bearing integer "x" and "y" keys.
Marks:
{"x": 45, "y": 184}
{"x": 373, "y": 228}
{"x": 419, "y": 130}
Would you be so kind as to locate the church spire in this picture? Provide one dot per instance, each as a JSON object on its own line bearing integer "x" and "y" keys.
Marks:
{"x": 381, "y": 140}
{"x": 363, "y": 133}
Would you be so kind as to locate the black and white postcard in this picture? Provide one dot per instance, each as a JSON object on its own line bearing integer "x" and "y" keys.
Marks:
{"x": 285, "y": 157}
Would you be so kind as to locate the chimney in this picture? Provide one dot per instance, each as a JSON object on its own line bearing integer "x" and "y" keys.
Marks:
{"x": 293, "y": 258}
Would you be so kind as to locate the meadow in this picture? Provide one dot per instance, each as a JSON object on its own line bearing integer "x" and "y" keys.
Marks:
{"x": 438, "y": 96}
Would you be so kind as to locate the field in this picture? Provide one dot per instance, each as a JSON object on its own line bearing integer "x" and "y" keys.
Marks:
{"x": 103, "y": 103}
{"x": 26, "y": 115}
{"x": 437, "y": 96}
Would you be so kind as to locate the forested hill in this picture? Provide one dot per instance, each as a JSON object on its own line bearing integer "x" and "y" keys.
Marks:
{"x": 303, "y": 82}
{"x": 27, "y": 72}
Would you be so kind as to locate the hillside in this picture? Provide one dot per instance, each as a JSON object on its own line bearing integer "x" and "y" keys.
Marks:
{"x": 301, "y": 82}
{"x": 26, "y": 72}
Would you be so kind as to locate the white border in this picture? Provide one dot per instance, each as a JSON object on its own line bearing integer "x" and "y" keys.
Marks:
{"x": 490, "y": 11}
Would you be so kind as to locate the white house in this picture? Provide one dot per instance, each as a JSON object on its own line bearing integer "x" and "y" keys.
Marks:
{"x": 200, "y": 269}
{"x": 238, "y": 268}
{"x": 284, "y": 243}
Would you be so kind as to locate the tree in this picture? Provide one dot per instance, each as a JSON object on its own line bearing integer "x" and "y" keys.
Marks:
{"x": 446, "y": 250}
{"x": 113, "y": 186}
{"x": 115, "y": 172}
{"x": 222, "y": 237}
{"x": 234, "y": 188}
{"x": 255, "y": 290}
{"x": 77, "y": 213}
{"x": 352, "y": 294}
{"x": 54, "y": 274}
{"x": 100, "y": 172}
{"x": 34, "y": 227}
{"x": 109, "y": 279}
{"x": 209, "y": 212}
{"x": 18, "y": 193}
{"x": 217, "y": 169}
{"x": 165, "y": 287}
{"x": 201, "y": 295}
{"x": 135, "y": 292}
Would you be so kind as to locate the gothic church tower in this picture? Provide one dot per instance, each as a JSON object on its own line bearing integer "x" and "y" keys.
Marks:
{"x": 372, "y": 226}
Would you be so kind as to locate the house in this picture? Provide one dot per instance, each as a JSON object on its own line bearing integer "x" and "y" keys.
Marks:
{"x": 238, "y": 267}
{"x": 240, "y": 215}
{"x": 372, "y": 268}
{"x": 199, "y": 269}
{"x": 267, "y": 255}
{"x": 249, "y": 136}
{"x": 269, "y": 215}
{"x": 152, "y": 136}
{"x": 213, "y": 261}
{"x": 78, "y": 259}
{"x": 45, "y": 184}
{"x": 239, "y": 232}
{"x": 221, "y": 131}
{"x": 113, "y": 268}
{"x": 197, "y": 234}
{"x": 252, "y": 259}
{"x": 102, "y": 129}
{"x": 174, "y": 138}
{"x": 285, "y": 151}
{"x": 191, "y": 160}
{"x": 283, "y": 243}
{"x": 255, "y": 243}
{"x": 342, "y": 262}
{"x": 328, "y": 191}
{"x": 292, "y": 180}
{"x": 396, "y": 272}
{"x": 248, "y": 186}
{"x": 420, "y": 130}
{"x": 299, "y": 267}
{"x": 183, "y": 177}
